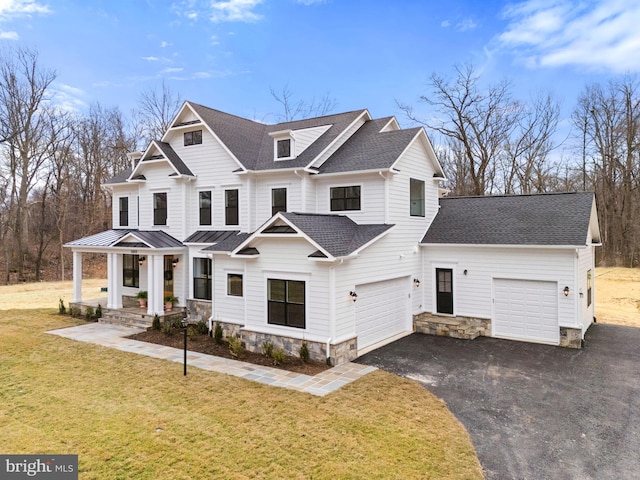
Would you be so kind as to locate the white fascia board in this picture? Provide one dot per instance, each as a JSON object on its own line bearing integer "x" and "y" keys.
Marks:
{"x": 370, "y": 242}
{"x": 185, "y": 104}
{"x": 431, "y": 155}
{"x": 391, "y": 123}
{"x": 149, "y": 162}
{"x": 365, "y": 113}
{"x": 498, "y": 245}
{"x": 353, "y": 172}
{"x": 281, "y": 134}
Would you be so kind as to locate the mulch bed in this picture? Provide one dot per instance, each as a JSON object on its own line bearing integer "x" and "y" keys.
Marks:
{"x": 207, "y": 345}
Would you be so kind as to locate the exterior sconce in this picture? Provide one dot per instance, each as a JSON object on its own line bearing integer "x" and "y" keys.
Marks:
{"x": 353, "y": 295}
{"x": 141, "y": 260}
{"x": 416, "y": 282}
{"x": 465, "y": 271}
{"x": 174, "y": 262}
{"x": 566, "y": 291}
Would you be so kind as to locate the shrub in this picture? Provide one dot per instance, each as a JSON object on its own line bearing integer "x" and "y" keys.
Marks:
{"x": 267, "y": 348}
{"x": 176, "y": 323}
{"x": 279, "y": 356}
{"x": 61, "y": 308}
{"x": 98, "y": 311}
{"x": 89, "y": 313}
{"x": 304, "y": 352}
{"x": 191, "y": 331}
{"x": 235, "y": 346}
{"x": 217, "y": 333}
{"x": 74, "y": 311}
{"x": 167, "y": 328}
{"x": 156, "y": 323}
{"x": 202, "y": 327}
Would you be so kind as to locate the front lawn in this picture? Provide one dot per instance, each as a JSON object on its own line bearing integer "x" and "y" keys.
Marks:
{"x": 129, "y": 416}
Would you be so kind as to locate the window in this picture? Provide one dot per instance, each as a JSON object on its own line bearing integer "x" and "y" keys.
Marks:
{"x": 192, "y": 138}
{"x": 231, "y": 207}
{"x": 345, "y": 198}
{"x": 286, "y": 299}
{"x": 124, "y": 211}
{"x": 159, "y": 208}
{"x": 205, "y": 208}
{"x": 202, "y": 278}
{"x": 234, "y": 285}
{"x": 130, "y": 271}
{"x": 278, "y": 200}
{"x": 589, "y": 288}
{"x": 283, "y": 148}
{"x": 416, "y": 202}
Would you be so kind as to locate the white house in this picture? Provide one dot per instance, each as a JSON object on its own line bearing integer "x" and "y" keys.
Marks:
{"x": 331, "y": 231}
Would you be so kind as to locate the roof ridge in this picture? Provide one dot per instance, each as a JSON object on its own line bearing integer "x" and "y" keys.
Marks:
{"x": 515, "y": 195}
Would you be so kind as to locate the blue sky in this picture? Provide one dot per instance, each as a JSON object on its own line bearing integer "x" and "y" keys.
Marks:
{"x": 364, "y": 53}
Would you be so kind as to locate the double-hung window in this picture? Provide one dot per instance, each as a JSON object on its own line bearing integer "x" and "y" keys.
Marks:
{"x": 278, "y": 200}
{"x": 202, "y": 278}
{"x": 124, "y": 211}
{"x": 205, "y": 207}
{"x": 286, "y": 302}
{"x": 345, "y": 198}
{"x": 234, "y": 284}
{"x": 159, "y": 208}
{"x": 416, "y": 201}
{"x": 231, "y": 207}
{"x": 130, "y": 271}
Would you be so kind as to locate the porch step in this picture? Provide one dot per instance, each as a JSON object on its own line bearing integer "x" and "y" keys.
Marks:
{"x": 127, "y": 319}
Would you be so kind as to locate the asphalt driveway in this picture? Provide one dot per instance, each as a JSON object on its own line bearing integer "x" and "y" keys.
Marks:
{"x": 535, "y": 411}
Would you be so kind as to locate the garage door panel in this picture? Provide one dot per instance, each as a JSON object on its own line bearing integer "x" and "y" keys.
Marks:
{"x": 526, "y": 309}
{"x": 381, "y": 310}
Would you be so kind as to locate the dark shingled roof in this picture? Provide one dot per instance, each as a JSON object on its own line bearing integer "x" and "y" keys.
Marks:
{"x": 228, "y": 244}
{"x": 253, "y": 147}
{"x": 336, "y": 234}
{"x": 120, "y": 178}
{"x": 111, "y": 238}
{"x": 541, "y": 219}
{"x": 173, "y": 157}
{"x": 210, "y": 236}
{"x": 369, "y": 148}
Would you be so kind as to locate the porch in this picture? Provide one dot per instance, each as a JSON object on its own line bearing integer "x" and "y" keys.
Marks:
{"x": 130, "y": 315}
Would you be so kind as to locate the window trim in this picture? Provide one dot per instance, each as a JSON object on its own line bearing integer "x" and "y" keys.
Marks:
{"x": 286, "y": 303}
{"x": 275, "y": 209}
{"x": 208, "y": 280}
{"x": 235, "y": 274}
{"x": 589, "y": 287}
{"x": 345, "y": 199}
{"x": 195, "y": 137}
{"x": 156, "y": 210}
{"x": 229, "y": 209}
{"x": 122, "y": 211}
{"x": 134, "y": 268}
{"x": 420, "y": 201}
{"x": 201, "y": 209}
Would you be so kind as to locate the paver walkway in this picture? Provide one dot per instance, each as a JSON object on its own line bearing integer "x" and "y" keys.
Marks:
{"x": 113, "y": 336}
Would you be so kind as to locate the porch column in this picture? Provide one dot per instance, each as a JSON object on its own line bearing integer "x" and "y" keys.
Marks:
{"x": 155, "y": 284}
{"x": 77, "y": 277}
{"x": 116, "y": 284}
{"x": 111, "y": 274}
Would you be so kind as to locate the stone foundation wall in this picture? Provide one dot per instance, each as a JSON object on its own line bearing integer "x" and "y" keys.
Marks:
{"x": 228, "y": 329}
{"x": 570, "y": 337}
{"x": 253, "y": 342}
{"x": 456, "y": 327}
{"x": 199, "y": 310}
{"x": 343, "y": 352}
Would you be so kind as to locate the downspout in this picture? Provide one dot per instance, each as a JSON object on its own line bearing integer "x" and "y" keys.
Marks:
{"x": 386, "y": 196}
{"x": 213, "y": 294}
{"x": 332, "y": 311}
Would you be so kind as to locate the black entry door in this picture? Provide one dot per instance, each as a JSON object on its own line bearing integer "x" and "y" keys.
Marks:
{"x": 444, "y": 289}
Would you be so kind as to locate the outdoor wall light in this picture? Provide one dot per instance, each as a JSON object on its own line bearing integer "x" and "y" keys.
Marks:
{"x": 354, "y": 295}
{"x": 566, "y": 291}
{"x": 174, "y": 262}
{"x": 465, "y": 271}
{"x": 141, "y": 260}
{"x": 416, "y": 282}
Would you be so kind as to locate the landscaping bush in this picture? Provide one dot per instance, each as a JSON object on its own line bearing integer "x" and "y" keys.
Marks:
{"x": 156, "y": 323}
{"x": 61, "y": 308}
{"x": 203, "y": 327}
{"x": 267, "y": 348}
{"x": 279, "y": 356}
{"x": 235, "y": 346}
{"x": 89, "y": 313}
{"x": 304, "y": 352}
{"x": 74, "y": 311}
{"x": 98, "y": 312}
{"x": 167, "y": 328}
{"x": 217, "y": 333}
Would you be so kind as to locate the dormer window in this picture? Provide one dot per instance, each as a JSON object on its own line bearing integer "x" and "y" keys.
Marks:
{"x": 283, "y": 145}
{"x": 193, "y": 138}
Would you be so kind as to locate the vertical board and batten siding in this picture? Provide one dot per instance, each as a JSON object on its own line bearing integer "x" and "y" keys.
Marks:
{"x": 473, "y": 293}
{"x": 306, "y": 136}
{"x": 213, "y": 168}
{"x": 286, "y": 258}
{"x": 263, "y": 187}
{"x": 586, "y": 262}
{"x": 372, "y": 196}
{"x": 397, "y": 254}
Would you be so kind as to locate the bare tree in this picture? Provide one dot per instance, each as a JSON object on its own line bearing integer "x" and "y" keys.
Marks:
{"x": 299, "y": 109}
{"x": 156, "y": 108}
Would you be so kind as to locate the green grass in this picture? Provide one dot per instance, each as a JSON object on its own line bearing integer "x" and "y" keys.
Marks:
{"x": 129, "y": 416}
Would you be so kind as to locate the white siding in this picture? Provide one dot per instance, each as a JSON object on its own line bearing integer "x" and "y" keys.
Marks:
{"x": 263, "y": 187}
{"x": 339, "y": 141}
{"x": 372, "y": 196}
{"x": 225, "y": 307}
{"x": 306, "y": 136}
{"x": 586, "y": 262}
{"x": 131, "y": 192}
{"x": 158, "y": 181}
{"x": 473, "y": 291}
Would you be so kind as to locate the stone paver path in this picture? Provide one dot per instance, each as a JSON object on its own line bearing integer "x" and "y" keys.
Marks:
{"x": 113, "y": 336}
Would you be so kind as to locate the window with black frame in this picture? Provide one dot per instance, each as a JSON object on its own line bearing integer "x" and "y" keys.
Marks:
{"x": 231, "y": 207}
{"x": 278, "y": 200}
{"x": 159, "y": 208}
{"x": 286, "y": 302}
{"x": 130, "y": 271}
{"x": 193, "y": 138}
{"x": 416, "y": 193}
{"x": 202, "y": 278}
{"x": 124, "y": 211}
{"x": 345, "y": 198}
{"x": 234, "y": 285}
{"x": 205, "y": 207}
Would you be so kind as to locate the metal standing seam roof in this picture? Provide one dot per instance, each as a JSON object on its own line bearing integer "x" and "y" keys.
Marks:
{"x": 229, "y": 244}
{"x": 337, "y": 234}
{"x": 111, "y": 238}
{"x": 250, "y": 142}
{"x": 210, "y": 236}
{"x": 540, "y": 219}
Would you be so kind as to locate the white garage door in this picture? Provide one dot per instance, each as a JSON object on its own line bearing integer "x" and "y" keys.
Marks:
{"x": 527, "y": 310}
{"x": 382, "y": 310}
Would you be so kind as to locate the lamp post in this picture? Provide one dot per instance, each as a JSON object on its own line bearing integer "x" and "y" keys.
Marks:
{"x": 185, "y": 324}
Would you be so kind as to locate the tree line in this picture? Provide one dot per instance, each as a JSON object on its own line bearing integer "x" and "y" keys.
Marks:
{"x": 53, "y": 162}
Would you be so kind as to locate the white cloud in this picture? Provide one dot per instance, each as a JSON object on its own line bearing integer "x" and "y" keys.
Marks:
{"x": 164, "y": 44}
{"x": 445, "y": 23}
{"x": 601, "y": 35}
{"x": 466, "y": 24}
{"x": 172, "y": 70}
{"x": 9, "y": 36}
{"x": 310, "y": 2}
{"x": 150, "y": 59}
{"x": 234, "y": 11}
{"x": 17, "y": 8}
{"x": 214, "y": 40}
{"x": 68, "y": 98}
